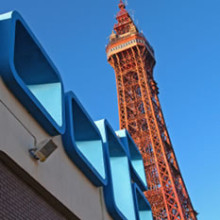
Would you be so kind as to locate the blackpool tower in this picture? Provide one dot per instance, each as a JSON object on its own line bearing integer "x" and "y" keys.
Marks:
{"x": 132, "y": 58}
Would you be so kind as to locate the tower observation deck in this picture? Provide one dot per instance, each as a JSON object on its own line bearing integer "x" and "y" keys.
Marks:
{"x": 132, "y": 58}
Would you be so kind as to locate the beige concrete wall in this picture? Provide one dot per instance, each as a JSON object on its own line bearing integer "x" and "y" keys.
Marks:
{"x": 19, "y": 132}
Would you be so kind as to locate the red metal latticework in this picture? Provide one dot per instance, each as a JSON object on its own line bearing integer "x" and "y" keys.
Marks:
{"x": 140, "y": 113}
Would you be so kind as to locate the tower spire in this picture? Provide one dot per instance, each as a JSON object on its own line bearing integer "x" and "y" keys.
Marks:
{"x": 121, "y": 5}
{"x": 125, "y": 24}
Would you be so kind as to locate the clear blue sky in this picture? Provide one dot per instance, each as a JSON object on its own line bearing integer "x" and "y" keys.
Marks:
{"x": 186, "y": 39}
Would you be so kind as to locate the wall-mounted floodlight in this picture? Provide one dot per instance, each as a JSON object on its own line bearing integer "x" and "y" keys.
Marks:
{"x": 43, "y": 150}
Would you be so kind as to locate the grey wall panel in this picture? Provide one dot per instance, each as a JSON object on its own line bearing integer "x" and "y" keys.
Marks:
{"x": 58, "y": 174}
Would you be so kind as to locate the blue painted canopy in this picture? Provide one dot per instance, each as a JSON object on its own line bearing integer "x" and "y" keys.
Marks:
{"x": 83, "y": 142}
{"x": 136, "y": 160}
{"x": 30, "y": 74}
{"x": 143, "y": 209}
{"x": 118, "y": 192}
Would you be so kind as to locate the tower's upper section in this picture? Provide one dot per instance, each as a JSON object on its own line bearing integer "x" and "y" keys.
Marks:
{"x": 125, "y": 34}
{"x": 125, "y": 24}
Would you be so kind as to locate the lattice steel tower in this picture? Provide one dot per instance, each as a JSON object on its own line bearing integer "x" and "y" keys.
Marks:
{"x": 132, "y": 58}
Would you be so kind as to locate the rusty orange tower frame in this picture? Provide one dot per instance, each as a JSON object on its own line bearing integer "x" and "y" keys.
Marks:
{"x": 132, "y": 58}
